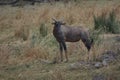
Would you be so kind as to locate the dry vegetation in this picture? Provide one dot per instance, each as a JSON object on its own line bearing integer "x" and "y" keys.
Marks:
{"x": 22, "y": 47}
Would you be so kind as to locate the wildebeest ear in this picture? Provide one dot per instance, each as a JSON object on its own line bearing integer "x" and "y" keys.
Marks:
{"x": 53, "y": 23}
{"x": 63, "y": 23}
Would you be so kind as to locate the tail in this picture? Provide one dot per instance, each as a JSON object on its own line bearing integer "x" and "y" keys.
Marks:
{"x": 90, "y": 44}
{"x": 92, "y": 41}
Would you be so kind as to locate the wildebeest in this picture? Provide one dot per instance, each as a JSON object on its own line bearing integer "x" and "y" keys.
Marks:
{"x": 64, "y": 33}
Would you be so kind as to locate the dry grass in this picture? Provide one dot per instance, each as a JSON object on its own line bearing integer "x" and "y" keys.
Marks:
{"x": 20, "y": 60}
{"x": 70, "y": 13}
{"x": 36, "y": 53}
{"x": 57, "y": 74}
{"x": 4, "y": 54}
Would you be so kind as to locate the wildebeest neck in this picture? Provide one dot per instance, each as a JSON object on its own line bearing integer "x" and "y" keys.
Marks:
{"x": 57, "y": 29}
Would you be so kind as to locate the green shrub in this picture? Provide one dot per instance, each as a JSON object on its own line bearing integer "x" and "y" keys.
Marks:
{"x": 107, "y": 22}
{"x": 112, "y": 23}
{"x": 43, "y": 30}
{"x": 99, "y": 21}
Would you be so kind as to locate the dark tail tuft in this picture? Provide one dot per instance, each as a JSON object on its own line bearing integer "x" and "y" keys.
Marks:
{"x": 90, "y": 45}
{"x": 92, "y": 41}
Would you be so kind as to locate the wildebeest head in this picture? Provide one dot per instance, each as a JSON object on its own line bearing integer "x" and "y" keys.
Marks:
{"x": 57, "y": 23}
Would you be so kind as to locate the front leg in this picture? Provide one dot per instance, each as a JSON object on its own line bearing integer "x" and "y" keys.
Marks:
{"x": 65, "y": 49}
{"x": 61, "y": 51}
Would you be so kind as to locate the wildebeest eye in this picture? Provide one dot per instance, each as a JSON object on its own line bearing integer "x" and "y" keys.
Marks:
{"x": 63, "y": 23}
{"x": 53, "y": 23}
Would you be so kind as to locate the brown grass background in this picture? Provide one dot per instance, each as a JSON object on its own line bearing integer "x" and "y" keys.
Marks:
{"x": 20, "y": 61}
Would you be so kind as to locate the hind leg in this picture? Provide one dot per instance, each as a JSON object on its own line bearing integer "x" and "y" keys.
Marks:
{"x": 88, "y": 46}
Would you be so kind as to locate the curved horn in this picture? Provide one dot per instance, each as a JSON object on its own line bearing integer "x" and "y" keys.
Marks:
{"x": 53, "y": 19}
{"x": 61, "y": 19}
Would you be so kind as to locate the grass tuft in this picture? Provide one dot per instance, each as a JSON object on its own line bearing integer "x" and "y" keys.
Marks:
{"x": 107, "y": 22}
{"x": 43, "y": 30}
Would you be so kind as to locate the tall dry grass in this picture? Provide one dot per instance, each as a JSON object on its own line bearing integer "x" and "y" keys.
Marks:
{"x": 22, "y": 32}
{"x": 71, "y": 13}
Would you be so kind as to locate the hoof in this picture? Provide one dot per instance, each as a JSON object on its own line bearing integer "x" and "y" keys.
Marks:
{"x": 66, "y": 61}
{"x": 61, "y": 60}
